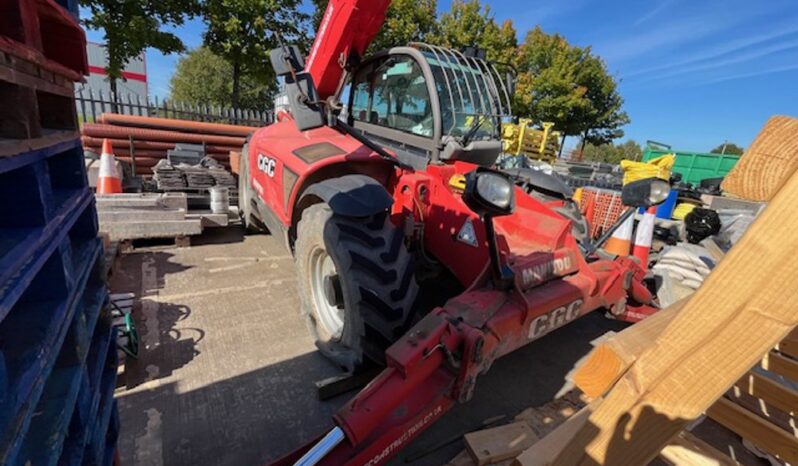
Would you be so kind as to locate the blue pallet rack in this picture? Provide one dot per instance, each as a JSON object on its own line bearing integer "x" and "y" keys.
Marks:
{"x": 57, "y": 357}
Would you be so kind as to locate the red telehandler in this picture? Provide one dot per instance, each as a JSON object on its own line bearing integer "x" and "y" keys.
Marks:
{"x": 396, "y": 186}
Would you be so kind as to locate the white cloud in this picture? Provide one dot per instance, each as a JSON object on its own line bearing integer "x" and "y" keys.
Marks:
{"x": 654, "y": 11}
{"x": 737, "y": 58}
{"x": 724, "y": 48}
{"x": 751, "y": 74}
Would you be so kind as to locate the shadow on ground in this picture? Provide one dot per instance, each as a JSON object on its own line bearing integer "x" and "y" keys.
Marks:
{"x": 163, "y": 347}
{"x": 249, "y": 419}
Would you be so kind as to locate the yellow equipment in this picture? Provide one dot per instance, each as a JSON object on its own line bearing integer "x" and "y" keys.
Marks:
{"x": 659, "y": 167}
{"x": 536, "y": 144}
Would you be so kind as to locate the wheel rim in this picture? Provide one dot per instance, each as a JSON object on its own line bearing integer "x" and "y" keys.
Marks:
{"x": 329, "y": 316}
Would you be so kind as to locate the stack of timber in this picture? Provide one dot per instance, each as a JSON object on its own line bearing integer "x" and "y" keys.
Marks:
{"x": 649, "y": 388}
{"x": 767, "y": 164}
{"x": 128, "y": 217}
{"x": 57, "y": 374}
{"x": 144, "y": 141}
{"x": 727, "y": 353}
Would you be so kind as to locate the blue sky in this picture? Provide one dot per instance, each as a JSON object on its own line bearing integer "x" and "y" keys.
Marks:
{"x": 693, "y": 73}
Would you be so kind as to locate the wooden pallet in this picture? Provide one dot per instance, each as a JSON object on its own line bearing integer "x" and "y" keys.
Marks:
{"x": 39, "y": 107}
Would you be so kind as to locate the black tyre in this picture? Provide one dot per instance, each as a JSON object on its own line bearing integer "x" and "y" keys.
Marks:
{"x": 248, "y": 221}
{"x": 356, "y": 283}
{"x": 579, "y": 226}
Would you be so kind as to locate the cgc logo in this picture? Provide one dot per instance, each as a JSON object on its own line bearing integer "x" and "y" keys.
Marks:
{"x": 266, "y": 165}
{"x": 554, "y": 319}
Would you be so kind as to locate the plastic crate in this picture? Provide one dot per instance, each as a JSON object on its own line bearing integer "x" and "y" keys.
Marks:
{"x": 52, "y": 294}
{"x": 695, "y": 166}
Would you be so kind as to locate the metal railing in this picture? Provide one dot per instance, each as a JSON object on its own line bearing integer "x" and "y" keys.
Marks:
{"x": 91, "y": 104}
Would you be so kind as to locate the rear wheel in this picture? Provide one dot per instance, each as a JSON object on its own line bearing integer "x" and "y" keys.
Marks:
{"x": 356, "y": 284}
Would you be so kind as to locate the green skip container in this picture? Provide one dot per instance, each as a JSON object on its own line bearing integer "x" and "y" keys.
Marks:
{"x": 694, "y": 166}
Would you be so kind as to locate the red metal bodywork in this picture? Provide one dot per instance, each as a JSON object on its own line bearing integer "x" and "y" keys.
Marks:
{"x": 346, "y": 31}
{"x": 437, "y": 362}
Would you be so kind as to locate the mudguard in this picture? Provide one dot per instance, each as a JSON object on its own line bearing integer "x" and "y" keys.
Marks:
{"x": 351, "y": 195}
{"x": 550, "y": 184}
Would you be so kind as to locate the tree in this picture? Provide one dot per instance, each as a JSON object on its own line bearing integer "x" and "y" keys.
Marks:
{"x": 547, "y": 87}
{"x": 131, "y": 26}
{"x": 470, "y": 24}
{"x": 405, "y": 21}
{"x": 728, "y": 148}
{"x": 612, "y": 153}
{"x": 605, "y": 118}
{"x": 243, "y": 32}
{"x": 202, "y": 77}
{"x": 569, "y": 86}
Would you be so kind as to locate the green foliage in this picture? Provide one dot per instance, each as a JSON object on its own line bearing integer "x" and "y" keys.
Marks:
{"x": 556, "y": 81}
{"x": 470, "y": 24}
{"x": 244, "y": 31}
{"x": 569, "y": 86}
{"x": 728, "y": 148}
{"x": 202, "y": 77}
{"x": 612, "y": 153}
{"x": 547, "y": 74}
{"x": 605, "y": 117}
{"x": 131, "y": 26}
{"x": 405, "y": 21}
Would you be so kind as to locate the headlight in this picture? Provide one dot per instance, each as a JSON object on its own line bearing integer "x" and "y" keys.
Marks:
{"x": 660, "y": 189}
{"x": 495, "y": 189}
{"x": 489, "y": 193}
{"x": 645, "y": 193}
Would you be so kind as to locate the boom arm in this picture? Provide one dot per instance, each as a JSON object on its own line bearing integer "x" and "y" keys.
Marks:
{"x": 345, "y": 32}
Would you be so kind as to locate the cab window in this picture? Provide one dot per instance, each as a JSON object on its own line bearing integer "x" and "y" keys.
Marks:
{"x": 393, "y": 93}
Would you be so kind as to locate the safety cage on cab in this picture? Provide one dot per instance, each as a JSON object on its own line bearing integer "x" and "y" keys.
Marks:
{"x": 429, "y": 103}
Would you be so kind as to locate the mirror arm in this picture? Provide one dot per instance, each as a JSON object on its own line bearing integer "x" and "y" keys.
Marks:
{"x": 599, "y": 242}
{"x": 502, "y": 276}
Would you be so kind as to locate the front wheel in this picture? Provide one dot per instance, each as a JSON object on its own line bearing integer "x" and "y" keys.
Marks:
{"x": 248, "y": 221}
{"x": 356, "y": 283}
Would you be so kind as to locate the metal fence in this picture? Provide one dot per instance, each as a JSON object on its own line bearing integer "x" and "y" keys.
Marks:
{"x": 91, "y": 104}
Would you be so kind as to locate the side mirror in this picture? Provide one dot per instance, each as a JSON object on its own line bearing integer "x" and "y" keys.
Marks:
{"x": 489, "y": 193}
{"x": 646, "y": 192}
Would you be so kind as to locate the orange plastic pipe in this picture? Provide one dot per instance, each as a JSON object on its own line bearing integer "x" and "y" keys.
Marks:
{"x": 176, "y": 125}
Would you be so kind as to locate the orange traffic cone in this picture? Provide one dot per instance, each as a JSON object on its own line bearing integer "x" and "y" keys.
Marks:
{"x": 643, "y": 237}
{"x": 621, "y": 240}
{"x": 108, "y": 181}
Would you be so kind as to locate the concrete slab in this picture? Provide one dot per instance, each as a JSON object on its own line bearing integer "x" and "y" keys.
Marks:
{"x": 226, "y": 371}
{"x": 119, "y": 231}
{"x": 210, "y": 219}
{"x": 165, "y": 200}
{"x": 144, "y": 215}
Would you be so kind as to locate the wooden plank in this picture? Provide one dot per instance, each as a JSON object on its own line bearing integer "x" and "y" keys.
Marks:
{"x": 490, "y": 446}
{"x": 781, "y": 365}
{"x": 757, "y": 406}
{"x": 705, "y": 349}
{"x": 770, "y": 391}
{"x": 761, "y": 433}
{"x": 789, "y": 347}
{"x": 684, "y": 450}
{"x": 610, "y": 359}
{"x": 50, "y": 137}
{"x": 545, "y": 451}
{"x": 688, "y": 450}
